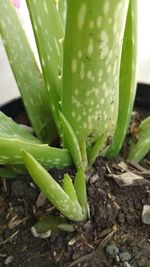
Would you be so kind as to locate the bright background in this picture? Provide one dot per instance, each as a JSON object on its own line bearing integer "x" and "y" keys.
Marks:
{"x": 8, "y": 87}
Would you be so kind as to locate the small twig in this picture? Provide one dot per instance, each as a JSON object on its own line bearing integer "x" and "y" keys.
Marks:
{"x": 82, "y": 259}
{"x": 105, "y": 241}
{"x": 88, "y": 245}
{"x": 3, "y": 255}
{"x": 41, "y": 200}
{"x": 144, "y": 173}
{"x": 9, "y": 238}
{"x": 38, "y": 255}
{"x": 14, "y": 223}
{"x": 137, "y": 166}
{"x": 102, "y": 234}
{"x": 4, "y": 185}
{"x": 147, "y": 161}
{"x": 93, "y": 254}
{"x": 50, "y": 209}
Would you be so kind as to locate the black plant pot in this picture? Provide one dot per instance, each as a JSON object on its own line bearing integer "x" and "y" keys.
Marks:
{"x": 143, "y": 96}
{"x": 13, "y": 108}
{"x": 142, "y": 100}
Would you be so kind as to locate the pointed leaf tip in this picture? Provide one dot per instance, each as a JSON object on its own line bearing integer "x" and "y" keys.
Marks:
{"x": 52, "y": 190}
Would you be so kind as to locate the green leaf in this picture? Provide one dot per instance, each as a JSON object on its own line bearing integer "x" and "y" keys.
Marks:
{"x": 69, "y": 188}
{"x": 92, "y": 53}
{"x": 140, "y": 149}
{"x": 127, "y": 80}
{"x": 11, "y": 149}
{"x": 83, "y": 150}
{"x": 62, "y": 8}
{"x": 52, "y": 190}
{"x": 47, "y": 224}
{"x": 14, "y": 138}
{"x": 72, "y": 142}
{"x": 12, "y": 130}
{"x": 48, "y": 32}
{"x": 66, "y": 227}
{"x": 94, "y": 151}
{"x": 80, "y": 187}
{"x": 28, "y": 77}
{"x": 145, "y": 124}
{"x": 7, "y": 172}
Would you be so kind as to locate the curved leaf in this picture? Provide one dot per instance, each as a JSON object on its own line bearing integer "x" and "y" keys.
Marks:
{"x": 127, "y": 80}
{"x": 48, "y": 31}
{"x": 28, "y": 77}
{"x": 69, "y": 188}
{"x": 12, "y": 130}
{"x": 52, "y": 190}
{"x": 80, "y": 187}
{"x": 72, "y": 141}
{"x": 11, "y": 149}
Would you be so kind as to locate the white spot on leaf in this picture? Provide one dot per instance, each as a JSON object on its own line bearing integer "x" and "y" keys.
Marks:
{"x": 106, "y": 7}
{"x": 39, "y": 21}
{"x": 90, "y": 47}
{"x": 79, "y": 53}
{"x": 81, "y": 16}
{"x": 89, "y": 74}
{"x": 91, "y": 24}
{"x": 82, "y": 72}
{"x": 45, "y": 7}
{"x": 74, "y": 65}
{"x": 99, "y": 22}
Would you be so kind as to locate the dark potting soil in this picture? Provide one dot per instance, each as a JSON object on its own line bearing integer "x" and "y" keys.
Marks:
{"x": 114, "y": 235}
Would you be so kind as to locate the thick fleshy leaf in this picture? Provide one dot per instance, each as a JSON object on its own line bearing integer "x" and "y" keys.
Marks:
{"x": 14, "y": 138}
{"x": 80, "y": 187}
{"x": 12, "y": 130}
{"x": 47, "y": 224}
{"x": 145, "y": 124}
{"x": 62, "y": 8}
{"x": 50, "y": 224}
{"x": 28, "y": 77}
{"x": 95, "y": 150}
{"x": 52, "y": 190}
{"x": 9, "y": 172}
{"x": 127, "y": 81}
{"x": 11, "y": 149}
{"x": 48, "y": 32}
{"x": 83, "y": 149}
{"x": 69, "y": 187}
{"x": 66, "y": 227}
{"x": 71, "y": 140}
{"x": 92, "y": 53}
{"x": 139, "y": 150}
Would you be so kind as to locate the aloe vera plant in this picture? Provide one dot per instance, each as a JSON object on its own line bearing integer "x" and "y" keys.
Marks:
{"x": 87, "y": 51}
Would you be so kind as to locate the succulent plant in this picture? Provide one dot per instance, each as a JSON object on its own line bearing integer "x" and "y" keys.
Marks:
{"x": 83, "y": 92}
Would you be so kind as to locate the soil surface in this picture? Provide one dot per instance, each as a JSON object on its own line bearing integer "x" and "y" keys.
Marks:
{"x": 114, "y": 235}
